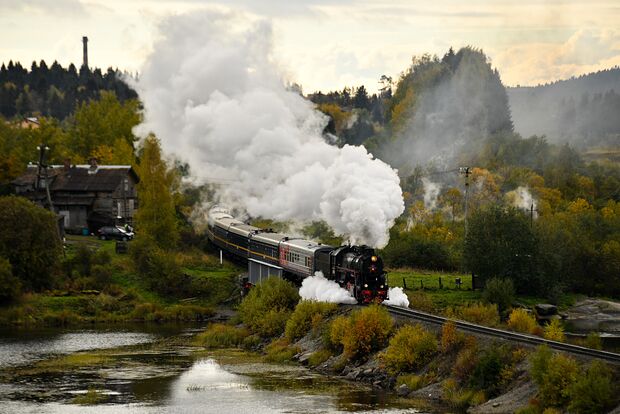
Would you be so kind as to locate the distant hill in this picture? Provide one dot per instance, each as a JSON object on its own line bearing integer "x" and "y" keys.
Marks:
{"x": 583, "y": 111}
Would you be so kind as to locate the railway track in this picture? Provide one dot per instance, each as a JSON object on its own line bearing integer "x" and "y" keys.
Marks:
{"x": 507, "y": 335}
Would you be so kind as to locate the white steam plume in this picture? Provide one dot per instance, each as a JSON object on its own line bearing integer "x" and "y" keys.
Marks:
{"x": 214, "y": 98}
{"x": 319, "y": 288}
{"x": 431, "y": 192}
{"x": 522, "y": 198}
{"x": 397, "y": 298}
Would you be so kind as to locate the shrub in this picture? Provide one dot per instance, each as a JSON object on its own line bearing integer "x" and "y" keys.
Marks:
{"x": 487, "y": 374}
{"x": 594, "y": 391}
{"x": 465, "y": 363}
{"x": 101, "y": 257}
{"x": 10, "y": 286}
{"x": 267, "y": 307}
{"x": 63, "y": 318}
{"x": 368, "y": 332}
{"x": 413, "y": 382}
{"x": 143, "y": 310}
{"x": 451, "y": 339}
{"x": 82, "y": 260}
{"x": 554, "y": 374}
{"x": 530, "y": 409}
{"x": 251, "y": 342}
{"x": 539, "y": 362}
{"x": 459, "y": 398}
{"x": 521, "y": 321}
{"x": 335, "y": 333}
{"x": 593, "y": 340}
{"x": 499, "y": 291}
{"x": 104, "y": 303}
{"x": 318, "y": 357}
{"x": 410, "y": 348}
{"x": 476, "y": 313}
{"x": 29, "y": 241}
{"x": 187, "y": 312}
{"x": 554, "y": 331}
{"x": 222, "y": 336}
{"x": 102, "y": 274}
{"x": 301, "y": 321}
{"x": 280, "y": 351}
{"x": 159, "y": 268}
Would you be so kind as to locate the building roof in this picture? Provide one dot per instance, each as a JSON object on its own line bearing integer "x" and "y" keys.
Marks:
{"x": 81, "y": 178}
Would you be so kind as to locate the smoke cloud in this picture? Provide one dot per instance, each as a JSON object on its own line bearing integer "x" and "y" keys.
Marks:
{"x": 397, "y": 298}
{"x": 521, "y": 198}
{"x": 214, "y": 97}
{"x": 431, "y": 192}
{"x": 319, "y": 288}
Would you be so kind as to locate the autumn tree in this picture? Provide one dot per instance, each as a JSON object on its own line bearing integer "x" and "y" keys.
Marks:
{"x": 155, "y": 217}
{"x": 100, "y": 124}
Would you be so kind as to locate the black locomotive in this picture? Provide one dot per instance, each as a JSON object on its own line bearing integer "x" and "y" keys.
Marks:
{"x": 356, "y": 268}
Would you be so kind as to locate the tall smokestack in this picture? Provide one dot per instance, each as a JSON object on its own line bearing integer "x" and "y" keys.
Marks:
{"x": 85, "y": 42}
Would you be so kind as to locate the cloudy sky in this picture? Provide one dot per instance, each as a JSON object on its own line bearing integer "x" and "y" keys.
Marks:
{"x": 328, "y": 44}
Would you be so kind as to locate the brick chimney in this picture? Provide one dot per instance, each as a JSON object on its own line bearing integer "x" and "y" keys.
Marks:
{"x": 85, "y": 51}
{"x": 67, "y": 164}
{"x": 93, "y": 165}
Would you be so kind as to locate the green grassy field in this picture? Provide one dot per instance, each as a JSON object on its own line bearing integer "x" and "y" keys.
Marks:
{"x": 424, "y": 291}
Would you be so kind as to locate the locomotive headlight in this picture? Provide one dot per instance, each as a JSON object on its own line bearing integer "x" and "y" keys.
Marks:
{"x": 381, "y": 287}
{"x": 373, "y": 259}
{"x": 366, "y": 285}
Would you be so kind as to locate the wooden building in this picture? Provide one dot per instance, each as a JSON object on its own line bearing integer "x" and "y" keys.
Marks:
{"x": 87, "y": 196}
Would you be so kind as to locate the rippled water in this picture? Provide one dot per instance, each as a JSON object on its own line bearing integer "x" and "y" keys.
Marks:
{"x": 174, "y": 379}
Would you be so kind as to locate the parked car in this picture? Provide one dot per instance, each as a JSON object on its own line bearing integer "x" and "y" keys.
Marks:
{"x": 116, "y": 233}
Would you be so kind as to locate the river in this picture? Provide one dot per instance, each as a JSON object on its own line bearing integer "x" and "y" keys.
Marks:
{"x": 153, "y": 369}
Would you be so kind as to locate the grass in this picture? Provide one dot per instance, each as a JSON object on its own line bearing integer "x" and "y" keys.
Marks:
{"x": 221, "y": 336}
{"x": 441, "y": 299}
{"x": 65, "y": 363}
{"x": 450, "y": 295}
{"x": 416, "y": 278}
{"x": 91, "y": 397}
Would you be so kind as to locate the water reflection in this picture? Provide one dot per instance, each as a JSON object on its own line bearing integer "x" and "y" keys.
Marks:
{"x": 20, "y": 347}
{"x": 165, "y": 379}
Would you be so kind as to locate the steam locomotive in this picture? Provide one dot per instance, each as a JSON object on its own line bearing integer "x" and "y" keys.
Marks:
{"x": 355, "y": 268}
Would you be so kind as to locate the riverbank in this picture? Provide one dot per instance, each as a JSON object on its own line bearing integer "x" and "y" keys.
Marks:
{"x": 102, "y": 287}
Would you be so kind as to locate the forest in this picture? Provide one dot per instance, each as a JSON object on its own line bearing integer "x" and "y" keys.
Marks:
{"x": 55, "y": 91}
{"x": 528, "y": 208}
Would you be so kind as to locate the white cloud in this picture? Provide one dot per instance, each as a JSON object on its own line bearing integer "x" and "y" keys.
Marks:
{"x": 329, "y": 44}
{"x": 584, "y": 51}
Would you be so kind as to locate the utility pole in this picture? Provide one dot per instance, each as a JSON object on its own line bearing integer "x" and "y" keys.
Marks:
{"x": 42, "y": 166}
{"x": 466, "y": 171}
{"x": 532, "y": 210}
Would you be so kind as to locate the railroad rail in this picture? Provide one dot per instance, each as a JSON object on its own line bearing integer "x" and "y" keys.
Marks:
{"x": 508, "y": 335}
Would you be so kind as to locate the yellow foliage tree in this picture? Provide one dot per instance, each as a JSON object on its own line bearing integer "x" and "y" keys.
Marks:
{"x": 155, "y": 217}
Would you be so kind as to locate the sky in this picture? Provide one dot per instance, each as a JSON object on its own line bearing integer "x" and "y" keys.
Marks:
{"x": 328, "y": 44}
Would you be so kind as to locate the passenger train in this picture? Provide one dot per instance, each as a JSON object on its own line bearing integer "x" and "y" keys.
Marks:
{"x": 355, "y": 268}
